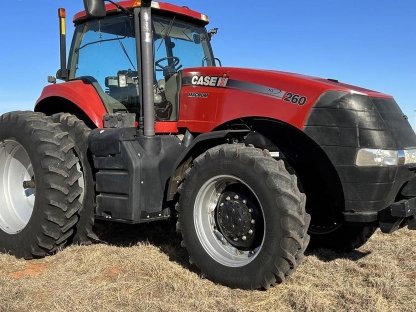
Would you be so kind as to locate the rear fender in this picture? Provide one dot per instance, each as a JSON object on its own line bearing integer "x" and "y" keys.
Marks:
{"x": 82, "y": 95}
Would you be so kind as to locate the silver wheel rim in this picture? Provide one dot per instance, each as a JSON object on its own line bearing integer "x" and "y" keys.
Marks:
{"x": 16, "y": 202}
{"x": 207, "y": 231}
{"x": 81, "y": 183}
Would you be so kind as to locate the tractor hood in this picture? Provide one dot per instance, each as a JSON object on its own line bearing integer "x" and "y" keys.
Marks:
{"x": 273, "y": 83}
{"x": 235, "y": 93}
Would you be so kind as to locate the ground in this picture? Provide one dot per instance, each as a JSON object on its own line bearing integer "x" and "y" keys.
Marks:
{"x": 144, "y": 269}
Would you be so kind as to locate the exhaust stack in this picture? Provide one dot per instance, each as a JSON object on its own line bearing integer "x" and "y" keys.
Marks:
{"x": 147, "y": 67}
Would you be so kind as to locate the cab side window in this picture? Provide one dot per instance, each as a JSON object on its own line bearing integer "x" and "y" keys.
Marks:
{"x": 104, "y": 52}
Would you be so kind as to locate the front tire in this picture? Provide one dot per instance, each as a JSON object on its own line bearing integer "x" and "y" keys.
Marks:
{"x": 242, "y": 217}
{"x": 39, "y": 194}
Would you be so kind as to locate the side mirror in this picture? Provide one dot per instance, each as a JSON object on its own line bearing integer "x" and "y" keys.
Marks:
{"x": 95, "y": 8}
{"x": 212, "y": 33}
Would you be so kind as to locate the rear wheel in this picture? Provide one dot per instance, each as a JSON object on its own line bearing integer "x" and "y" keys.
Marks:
{"x": 242, "y": 217}
{"x": 78, "y": 133}
{"x": 40, "y": 190}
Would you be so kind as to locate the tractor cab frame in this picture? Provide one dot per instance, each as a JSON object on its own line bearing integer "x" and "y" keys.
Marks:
{"x": 133, "y": 59}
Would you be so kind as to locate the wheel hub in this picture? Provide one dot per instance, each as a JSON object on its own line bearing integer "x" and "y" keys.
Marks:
{"x": 235, "y": 220}
{"x": 216, "y": 199}
{"x": 17, "y": 187}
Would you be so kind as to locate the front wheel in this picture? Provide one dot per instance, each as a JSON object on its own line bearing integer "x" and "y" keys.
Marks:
{"x": 242, "y": 217}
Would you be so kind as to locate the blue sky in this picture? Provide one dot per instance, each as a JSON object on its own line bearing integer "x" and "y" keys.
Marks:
{"x": 369, "y": 43}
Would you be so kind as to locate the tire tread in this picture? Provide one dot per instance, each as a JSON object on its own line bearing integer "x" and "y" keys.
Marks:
{"x": 79, "y": 133}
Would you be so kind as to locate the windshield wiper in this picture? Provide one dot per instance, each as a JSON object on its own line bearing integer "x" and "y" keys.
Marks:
{"x": 99, "y": 41}
{"x": 126, "y": 53}
{"x": 169, "y": 29}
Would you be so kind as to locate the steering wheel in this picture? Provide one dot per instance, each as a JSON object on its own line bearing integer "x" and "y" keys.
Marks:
{"x": 169, "y": 67}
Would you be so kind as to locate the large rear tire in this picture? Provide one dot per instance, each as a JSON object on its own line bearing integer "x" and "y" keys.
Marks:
{"x": 40, "y": 189}
{"x": 242, "y": 217}
{"x": 79, "y": 132}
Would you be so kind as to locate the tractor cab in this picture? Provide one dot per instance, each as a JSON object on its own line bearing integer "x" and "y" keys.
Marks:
{"x": 105, "y": 52}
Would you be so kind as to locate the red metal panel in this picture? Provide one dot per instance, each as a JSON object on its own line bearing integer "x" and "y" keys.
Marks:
{"x": 204, "y": 108}
{"x": 163, "y": 7}
{"x": 166, "y": 127}
{"x": 83, "y": 95}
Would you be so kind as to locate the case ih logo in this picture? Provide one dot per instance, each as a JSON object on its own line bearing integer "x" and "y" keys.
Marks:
{"x": 210, "y": 81}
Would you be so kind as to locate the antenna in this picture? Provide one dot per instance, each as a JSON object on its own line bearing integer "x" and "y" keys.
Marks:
{"x": 414, "y": 124}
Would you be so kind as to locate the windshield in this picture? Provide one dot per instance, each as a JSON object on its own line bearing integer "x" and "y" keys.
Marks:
{"x": 182, "y": 43}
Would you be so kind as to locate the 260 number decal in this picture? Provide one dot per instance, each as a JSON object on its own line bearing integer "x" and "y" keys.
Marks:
{"x": 295, "y": 98}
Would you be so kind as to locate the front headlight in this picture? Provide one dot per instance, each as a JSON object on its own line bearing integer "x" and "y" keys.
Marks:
{"x": 368, "y": 157}
{"x": 410, "y": 157}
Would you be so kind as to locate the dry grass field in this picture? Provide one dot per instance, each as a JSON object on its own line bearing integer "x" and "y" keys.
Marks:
{"x": 147, "y": 271}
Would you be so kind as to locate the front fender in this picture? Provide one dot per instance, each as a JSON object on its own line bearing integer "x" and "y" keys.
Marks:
{"x": 197, "y": 146}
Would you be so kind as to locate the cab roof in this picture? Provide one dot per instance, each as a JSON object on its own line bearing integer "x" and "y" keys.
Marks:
{"x": 166, "y": 7}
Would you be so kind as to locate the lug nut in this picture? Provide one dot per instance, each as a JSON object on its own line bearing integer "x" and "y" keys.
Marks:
{"x": 29, "y": 184}
{"x": 244, "y": 201}
{"x": 236, "y": 239}
{"x": 222, "y": 204}
{"x": 236, "y": 197}
{"x": 250, "y": 210}
{"x": 228, "y": 198}
{"x": 253, "y": 221}
{"x": 250, "y": 232}
{"x": 244, "y": 238}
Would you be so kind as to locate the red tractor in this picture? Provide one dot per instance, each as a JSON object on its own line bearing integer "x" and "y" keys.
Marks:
{"x": 254, "y": 165}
